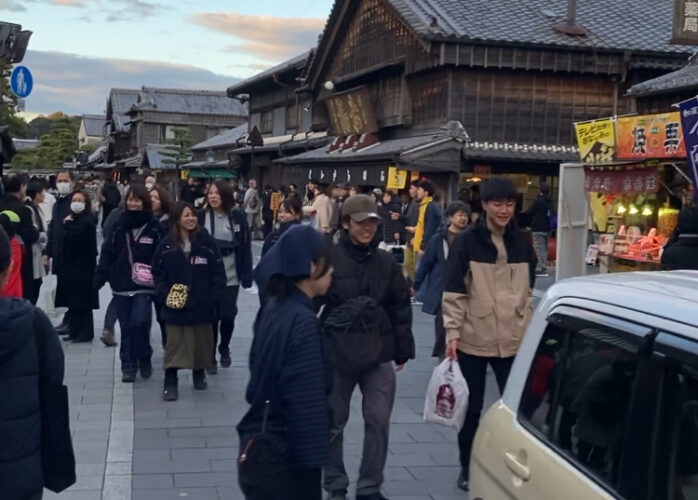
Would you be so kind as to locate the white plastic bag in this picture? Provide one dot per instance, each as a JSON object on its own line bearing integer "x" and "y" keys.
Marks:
{"x": 447, "y": 396}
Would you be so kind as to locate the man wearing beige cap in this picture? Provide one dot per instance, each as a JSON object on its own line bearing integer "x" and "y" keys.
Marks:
{"x": 368, "y": 321}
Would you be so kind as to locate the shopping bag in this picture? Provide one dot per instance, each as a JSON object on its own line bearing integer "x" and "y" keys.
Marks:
{"x": 447, "y": 396}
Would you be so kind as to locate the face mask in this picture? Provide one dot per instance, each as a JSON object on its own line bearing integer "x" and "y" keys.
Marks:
{"x": 63, "y": 188}
{"x": 149, "y": 186}
{"x": 77, "y": 206}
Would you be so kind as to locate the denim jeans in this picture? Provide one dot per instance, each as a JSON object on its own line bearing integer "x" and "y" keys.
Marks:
{"x": 135, "y": 317}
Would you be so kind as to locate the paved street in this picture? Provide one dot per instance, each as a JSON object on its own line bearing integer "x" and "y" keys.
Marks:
{"x": 130, "y": 444}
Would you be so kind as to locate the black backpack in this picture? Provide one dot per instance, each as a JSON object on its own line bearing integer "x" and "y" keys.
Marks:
{"x": 354, "y": 330}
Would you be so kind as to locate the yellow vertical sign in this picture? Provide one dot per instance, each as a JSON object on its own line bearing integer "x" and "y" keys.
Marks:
{"x": 596, "y": 140}
{"x": 396, "y": 178}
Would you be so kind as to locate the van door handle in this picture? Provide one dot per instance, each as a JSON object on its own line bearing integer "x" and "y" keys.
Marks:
{"x": 515, "y": 465}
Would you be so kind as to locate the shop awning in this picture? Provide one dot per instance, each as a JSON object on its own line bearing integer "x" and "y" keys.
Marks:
{"x": 214, "y": 173}
{"x": 437, "y": 152}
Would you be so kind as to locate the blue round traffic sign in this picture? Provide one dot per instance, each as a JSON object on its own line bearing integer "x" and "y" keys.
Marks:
{"x": 21, "y": 81}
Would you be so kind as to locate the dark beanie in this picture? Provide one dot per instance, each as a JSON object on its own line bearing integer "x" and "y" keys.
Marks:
{"x": 5, "y": 251}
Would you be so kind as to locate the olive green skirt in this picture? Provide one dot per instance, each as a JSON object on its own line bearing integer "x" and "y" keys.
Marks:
{"x": 189, "y": 346}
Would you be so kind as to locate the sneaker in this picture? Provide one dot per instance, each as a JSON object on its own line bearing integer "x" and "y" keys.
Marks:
{"x": 63, "y": 329}
{"x": 463, "y": 478}
{"x": 170, "y": 393}
{"x": 128, "y": 378}
{"x": 146, "y": 368}
{"x": 225, "y": 360}
{"x": 108, "y": 339}
{"x": 542, "y": 274}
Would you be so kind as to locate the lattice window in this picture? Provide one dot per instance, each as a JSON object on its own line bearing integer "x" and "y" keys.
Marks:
{"x": 375, "y": 36}
{"x": 429, "y": 97}
{"x": 266, "y": 124}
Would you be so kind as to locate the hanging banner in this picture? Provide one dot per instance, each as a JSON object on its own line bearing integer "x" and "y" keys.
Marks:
{"x": 650, "y": 136}
{"x": 596, "y": 140}
{"x": 685, "y": 22}
{"x": 396, "y": 178}
{"x": 689, "y": 119}
{"x": 636, "y": 181}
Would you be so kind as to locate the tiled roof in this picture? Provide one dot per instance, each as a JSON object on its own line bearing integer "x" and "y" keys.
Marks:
{"x": 225, "y": 139}
{"x": 94, "y": 125}
{"x": 639, "y": 25}
{"x": 152, "y": 153}
{"x": 295, "y": 63}
{"x": 681, "y": 79}
{"x": 202, "y": 102}
{"x": 121, "y": 102}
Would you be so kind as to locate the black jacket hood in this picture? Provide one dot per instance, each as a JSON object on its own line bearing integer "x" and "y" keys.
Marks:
{"x": 16, "y": 326}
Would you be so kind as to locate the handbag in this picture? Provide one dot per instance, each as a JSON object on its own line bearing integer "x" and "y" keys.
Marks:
{"x": 177, "y": 297}
{"x": 57, "y": 457}
{"x": 141, "y": 274}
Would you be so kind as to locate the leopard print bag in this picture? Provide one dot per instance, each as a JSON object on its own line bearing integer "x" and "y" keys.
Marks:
{"x": 177, "y": 297}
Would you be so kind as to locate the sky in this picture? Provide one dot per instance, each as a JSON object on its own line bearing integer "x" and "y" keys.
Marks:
{"x": 82, "y": 48}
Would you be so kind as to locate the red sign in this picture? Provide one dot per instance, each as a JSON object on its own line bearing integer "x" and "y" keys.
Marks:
{"x": 645, "y": 180}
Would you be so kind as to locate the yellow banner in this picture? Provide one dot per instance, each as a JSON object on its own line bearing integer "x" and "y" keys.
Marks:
{"x": 397, "y": 179}
{"x": 596, "y": 140}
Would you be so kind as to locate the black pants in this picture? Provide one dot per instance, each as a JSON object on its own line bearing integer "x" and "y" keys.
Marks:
{"x": 474, "y": 370}
{"x": 294, "y": 485}
{"x": 439, "y": 349}
{"x": 31, "y": 290}
{"x": 81, "y": 324}
{"x": 225, "y": 320}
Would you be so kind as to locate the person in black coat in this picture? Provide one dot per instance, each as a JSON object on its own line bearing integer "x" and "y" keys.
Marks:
{"x": 22, "y": 370}
{"x": 682, "y": 250}
{"x": 161, "y": 202}
{"x": 393, "y": 229}
{"x": 227, "y": 224}
{"x": 361, "y": 270}
{"x": 290, "y": 378}
{"x": 290, "y": 214}
{"x": 76, "y": 272}
{"x": 110, "y": 197}
{"x": 188, "y": 258}
{"x": 132, "y": 242}
{"x": 540, "y": 212}
{"x": 432, "y": 267}
{"x": 26, "y": 231}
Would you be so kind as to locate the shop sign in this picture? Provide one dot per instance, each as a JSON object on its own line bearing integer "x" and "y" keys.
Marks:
{"x": 637, "y": 181}
{"x": 685, "y": 22}
{"x": 596, "y": 140}
{"x": 361, "y": 176}
{"x": 650, "y": 136}
{"x": 397, "y": 179}
{"x": 351, "y": 113}
{"x": 689, "y": 119}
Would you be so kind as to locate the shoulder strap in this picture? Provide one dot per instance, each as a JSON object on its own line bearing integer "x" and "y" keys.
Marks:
{"x": 212, "y": 219}
{"x": 128, "y": 247}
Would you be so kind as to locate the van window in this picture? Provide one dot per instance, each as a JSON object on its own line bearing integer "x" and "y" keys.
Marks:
{"x": 578, "y": 393}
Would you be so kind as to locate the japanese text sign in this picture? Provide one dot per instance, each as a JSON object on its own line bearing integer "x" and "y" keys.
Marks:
{"x": 639, "y": 180}
{"x": 650, "y": 136}
{"x": 685, "y": 22}
{"x": 351, "y": 113}
{"x": 397, "y": 179}
{"x": 596, "y": 140}
{"x": 689, "y": 119}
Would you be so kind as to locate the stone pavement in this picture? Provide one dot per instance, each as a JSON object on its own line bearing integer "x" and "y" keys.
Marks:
{"x": 131, "y": 445}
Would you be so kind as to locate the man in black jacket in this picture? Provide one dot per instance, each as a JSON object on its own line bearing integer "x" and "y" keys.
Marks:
{"x": 26, "y": 230}
{"x": 682, "y": 250}
{"x": 363, "y": 272}
{"x": 540, "y": 213}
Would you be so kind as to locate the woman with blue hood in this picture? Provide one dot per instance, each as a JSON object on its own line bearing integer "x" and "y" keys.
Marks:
{"x": 284, "y": 434}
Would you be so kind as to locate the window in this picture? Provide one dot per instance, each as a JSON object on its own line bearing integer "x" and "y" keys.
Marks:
{"x": 266, "y": 124}
{"x": 578, "y": 395}
{"x": 166, "y": 133}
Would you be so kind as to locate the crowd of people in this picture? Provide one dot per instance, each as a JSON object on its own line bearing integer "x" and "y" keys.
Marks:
{"x": 335, "y": 305}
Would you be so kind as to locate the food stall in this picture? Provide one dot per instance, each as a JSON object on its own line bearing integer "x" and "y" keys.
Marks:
{"x": 635, "y": 178}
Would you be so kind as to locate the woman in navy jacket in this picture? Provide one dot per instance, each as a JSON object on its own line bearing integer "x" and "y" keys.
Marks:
{"x": 188, "y": 256}
{"x": 134, "y": 239}
{"x": 433, "y": 265}
{"x": 284, "y": 434}
{"x": 228, "y": 226}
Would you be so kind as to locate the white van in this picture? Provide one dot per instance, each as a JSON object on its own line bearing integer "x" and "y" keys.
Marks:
{"x": 602, "y": 400}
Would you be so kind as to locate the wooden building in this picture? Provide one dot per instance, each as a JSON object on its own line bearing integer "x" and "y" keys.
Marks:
{"x": 279, "y": 122}
{"x": 138, "y": 120}
{"x": 448, "y": 87}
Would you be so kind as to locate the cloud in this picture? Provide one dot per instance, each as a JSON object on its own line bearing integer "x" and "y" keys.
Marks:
{"x": 267, "y": 38}
{"x": 75, "y": 84}
{"x": 12, "y": 5}
{"x": 68, "y": 3}
{"x": 132, "y": 10}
